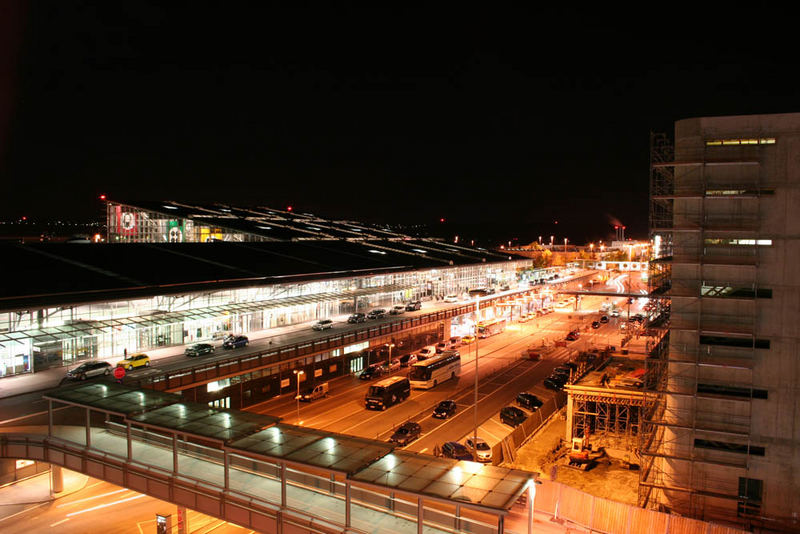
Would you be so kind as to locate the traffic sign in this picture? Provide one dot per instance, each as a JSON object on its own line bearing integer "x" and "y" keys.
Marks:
{"x": 119, "y": 372}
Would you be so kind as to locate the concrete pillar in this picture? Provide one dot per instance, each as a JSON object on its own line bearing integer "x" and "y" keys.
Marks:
{"x": 420, "y": 515}
{"x": 531, "y": 496}
{"x": 569, "y": 419}
{"x": 175, "y": 453}
{"x": 347, "y": 520}
{"x": 130, "y": 441}
{"x": 88, "y": 427}
{"x": 501, "y": 524}
{"x": 283, "y": 488}
{"x": 56, "y": 479}
{"x": 183, "y": 520}
{"x": 226, "y": 463}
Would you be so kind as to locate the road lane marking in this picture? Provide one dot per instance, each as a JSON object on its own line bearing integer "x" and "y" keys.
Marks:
{"x": 93, "y": 497}
{"x": 100, "y": 506}
{"x": 59, "y": 522}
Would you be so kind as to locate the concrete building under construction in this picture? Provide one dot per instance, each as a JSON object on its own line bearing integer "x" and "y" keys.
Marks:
{"x": 720, "y": 431}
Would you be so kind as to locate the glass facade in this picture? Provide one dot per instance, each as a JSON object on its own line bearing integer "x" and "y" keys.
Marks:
{"x": 38, "y": 339}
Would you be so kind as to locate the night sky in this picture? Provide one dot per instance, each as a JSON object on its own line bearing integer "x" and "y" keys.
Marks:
{"x": 506, "y": 120}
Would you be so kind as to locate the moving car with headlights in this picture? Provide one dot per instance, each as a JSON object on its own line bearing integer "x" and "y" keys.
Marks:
{"x": 134, "y": 361}
{"x": 455, "y": 450}
{"x": 480, "y": 450}
{"x": 324, "y": 324}
{"x": 199, "y": 349}
{"x": 317, "y": 392}
{"x": 88, "y": 370}
{"x": 406, "y": 433}
{"x": 444, "y": 409}
{"x": 512, "y": 415}
{"x": 234, "y": 342}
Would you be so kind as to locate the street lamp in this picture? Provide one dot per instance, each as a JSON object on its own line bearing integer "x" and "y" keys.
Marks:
{"x": 390, "y": 345}
{"x": 298, "y": 374}
{"x": 477, "y": 318}
{"x": 565, "y": 244}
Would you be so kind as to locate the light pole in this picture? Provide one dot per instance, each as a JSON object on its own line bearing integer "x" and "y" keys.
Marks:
{"x": 390, "y": 345}
{"x": 565, "y": 245}
{"x": 298, "y": 374}
{"x": 477, "y": 318}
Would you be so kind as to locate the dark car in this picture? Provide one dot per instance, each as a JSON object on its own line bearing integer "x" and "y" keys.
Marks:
{"x": 572, "y": 336}
{"x": 595, "y": 324}
{"x": 604, "y": 319}
{"x": 529, "y": 401}
{"x": 376, "y": 314}
{"x": 234, "y": 342}
{"x": 408, "y": 359}
{"x": 357, "y": 318}
{"x": 324, "y": 324}
{"x": 88, "y": 370}
{"x": 406, "y": 433}
{"x": 555, "y": 384}
{"x": 199, "y": 349}
{"x": 444, "y": 409}
{"x": 454, "y": 449}
{"x": 373, "y": 371}
{"x": 512, "y": 415}
{"x": 414, "y": 305}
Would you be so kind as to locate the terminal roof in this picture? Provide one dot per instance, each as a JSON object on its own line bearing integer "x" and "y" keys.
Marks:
{"x": 112, "y": 397}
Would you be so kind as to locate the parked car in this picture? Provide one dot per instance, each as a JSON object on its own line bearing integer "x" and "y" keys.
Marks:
{"x": 426, "y": 352}
{"x": 454, "y": 449}
{"x": 481, "y": 451}
{"x": 414, "y": 305}
{"x": 604, "y": 319}
{"x": 324, "y": 324}
{"x": 392, "y": 365}
{"x": 199, "y": 349}
{"x": 408, "y": 359}
{"x": 316, "y": 392}
{"x": 134, "y": 361}
{"x": 378, "y": 313}
{"x": 614, "y": 313}
{"x": 529, "y": 401}
{"x": 573, "y": 335}
{"x": 512, "y": 415}
{"x": 88, "y": 370}
{"x": 595, "y": 324}
{"x": 406, "y": 433}
{"x": 397, "y": 310}
{"x": 357, "y": 318}
{"x": 455, "y": 341}
{"x": 444, "y": 409}
{"x": 373, "y": 371}
{"x": 555, "y": 384}
{"x": 234, "y": 342}
{"x": 441, "y": 347}
{"x": 451, "y": 298}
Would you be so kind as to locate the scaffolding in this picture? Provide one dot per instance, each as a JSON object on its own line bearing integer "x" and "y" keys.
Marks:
{"x": 698, "y": 397}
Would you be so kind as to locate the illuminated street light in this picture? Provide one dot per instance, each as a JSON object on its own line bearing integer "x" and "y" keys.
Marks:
{"x": 565, "y": 244}
{"x": 299, "y": 374}
{"x": 477, "y": 319}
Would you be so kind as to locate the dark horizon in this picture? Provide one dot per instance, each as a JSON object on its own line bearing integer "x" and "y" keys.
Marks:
{"x": 512, "y": 119}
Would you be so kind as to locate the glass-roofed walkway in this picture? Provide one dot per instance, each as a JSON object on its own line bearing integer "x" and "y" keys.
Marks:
{"x": 257, "y": 472}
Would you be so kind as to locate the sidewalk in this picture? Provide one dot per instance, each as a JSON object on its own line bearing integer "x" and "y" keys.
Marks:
{"x": 22, "y": 495}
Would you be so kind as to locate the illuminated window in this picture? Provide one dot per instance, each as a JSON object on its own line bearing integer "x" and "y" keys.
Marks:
{"x": 739, "y": 242}
{"x": 737, "y": 142}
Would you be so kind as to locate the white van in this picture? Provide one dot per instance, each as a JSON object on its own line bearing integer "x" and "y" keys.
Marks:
{"x": 318, "y": 391}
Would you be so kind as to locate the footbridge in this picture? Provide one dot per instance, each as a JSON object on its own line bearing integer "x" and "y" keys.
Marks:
{"x": 257, "y": 472}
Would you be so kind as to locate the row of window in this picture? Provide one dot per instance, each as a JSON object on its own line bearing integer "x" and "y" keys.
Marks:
{"x": 735, "y": 292}
{"x": 726, "y": 446}
{"x": 745, "y": 141}
{"x": 738, "y": 242}
{"x": 735, "y": 192}
{"x": 732, "y": 391}
{"x": 740, "y": 342}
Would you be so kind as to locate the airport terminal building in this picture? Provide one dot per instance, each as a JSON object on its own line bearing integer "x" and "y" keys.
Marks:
{"x": 172, "y": 273}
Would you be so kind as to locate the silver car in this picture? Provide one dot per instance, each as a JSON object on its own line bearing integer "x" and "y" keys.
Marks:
{"x": 88, "y": 370}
